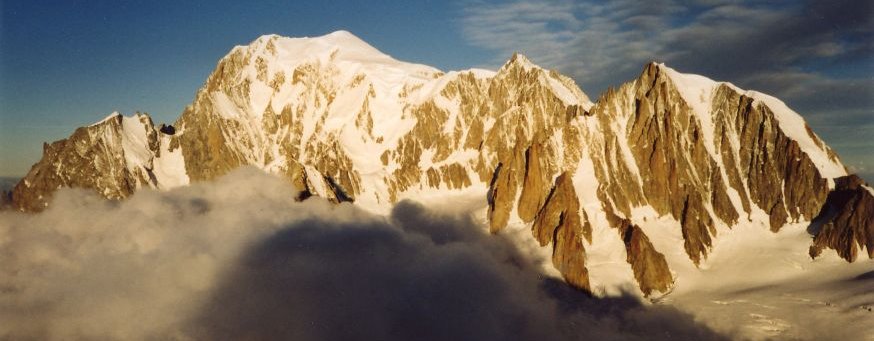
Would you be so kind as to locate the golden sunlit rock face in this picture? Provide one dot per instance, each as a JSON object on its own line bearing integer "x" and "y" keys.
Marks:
{"x": 92, "y": 157}
{"x": 682, "y": 174}
{"x": 559, "y": 222}
{"x": 650, "y": 267}
{"x": 348, "y": 123}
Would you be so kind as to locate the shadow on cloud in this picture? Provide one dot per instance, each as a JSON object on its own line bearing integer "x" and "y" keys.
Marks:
{"x": 239, "y": 259}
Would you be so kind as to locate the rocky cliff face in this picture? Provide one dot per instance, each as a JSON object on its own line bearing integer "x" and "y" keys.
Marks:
{"x": 341, "y": 120}
{"x": 114, "y": 156}
{"x": 846, "y": 221}
{"x": 650, "y": 267}
{"x": 706, "y": 154}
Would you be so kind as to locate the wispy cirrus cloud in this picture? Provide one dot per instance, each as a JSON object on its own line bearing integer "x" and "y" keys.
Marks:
{"x": 816, "y": 55}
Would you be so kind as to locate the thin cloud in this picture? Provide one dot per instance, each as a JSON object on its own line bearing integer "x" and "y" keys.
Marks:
{"x": 797, "y": 51}
{"x": 732, "y": 40}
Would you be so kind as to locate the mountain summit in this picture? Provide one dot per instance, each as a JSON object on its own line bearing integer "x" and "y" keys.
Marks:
{"x": 344, "y": 121}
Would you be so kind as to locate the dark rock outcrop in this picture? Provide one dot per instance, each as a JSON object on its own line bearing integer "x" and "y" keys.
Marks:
{"x": 504, "y": 186}
{"x": 536, "y": 183}
{"x": 5, "y": 199}
{"x": 846, "y": 221}
{"x": 697, "y": 227}
{"x": 650, "y": 267}
{"x": 167, "y": 129}
{"x": 560, "y": 222}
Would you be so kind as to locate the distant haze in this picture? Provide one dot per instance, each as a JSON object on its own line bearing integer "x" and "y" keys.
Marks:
{"x": 7, "y": 183}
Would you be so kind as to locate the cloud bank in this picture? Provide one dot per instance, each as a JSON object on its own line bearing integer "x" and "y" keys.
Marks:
{"x": 239, "y": 259}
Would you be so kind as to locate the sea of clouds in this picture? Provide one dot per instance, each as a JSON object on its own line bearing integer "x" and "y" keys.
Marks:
{"x": 239, "y": 258}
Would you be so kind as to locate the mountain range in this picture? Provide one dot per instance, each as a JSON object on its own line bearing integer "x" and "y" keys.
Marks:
{"x": 343, "y": 121}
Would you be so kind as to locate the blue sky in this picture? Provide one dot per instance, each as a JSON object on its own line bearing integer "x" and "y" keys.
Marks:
{"x": 65, "y": 64}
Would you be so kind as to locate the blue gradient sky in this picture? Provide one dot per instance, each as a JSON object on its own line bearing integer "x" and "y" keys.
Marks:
{"x": 65, "y": 64}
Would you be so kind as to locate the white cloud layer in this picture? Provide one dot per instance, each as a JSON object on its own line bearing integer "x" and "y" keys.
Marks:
{"x": 89, "y": 268}
{"x": 239, "y": 259}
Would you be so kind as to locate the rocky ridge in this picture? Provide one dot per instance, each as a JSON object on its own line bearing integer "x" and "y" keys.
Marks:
{"x": 344, "y": 121}
{"x": 114, "y": 156}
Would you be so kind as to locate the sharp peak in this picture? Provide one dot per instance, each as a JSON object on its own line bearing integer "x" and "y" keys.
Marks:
{"x": 696, "y": 82}
{"x": 679, "y": 79}
{"x": 115, "y": 115}
{"x": 655, "y": 67}
{"x": 521, "y": 60}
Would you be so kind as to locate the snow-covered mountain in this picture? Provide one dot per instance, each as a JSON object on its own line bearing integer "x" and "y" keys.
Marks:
{"x": 667, "y": 154}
